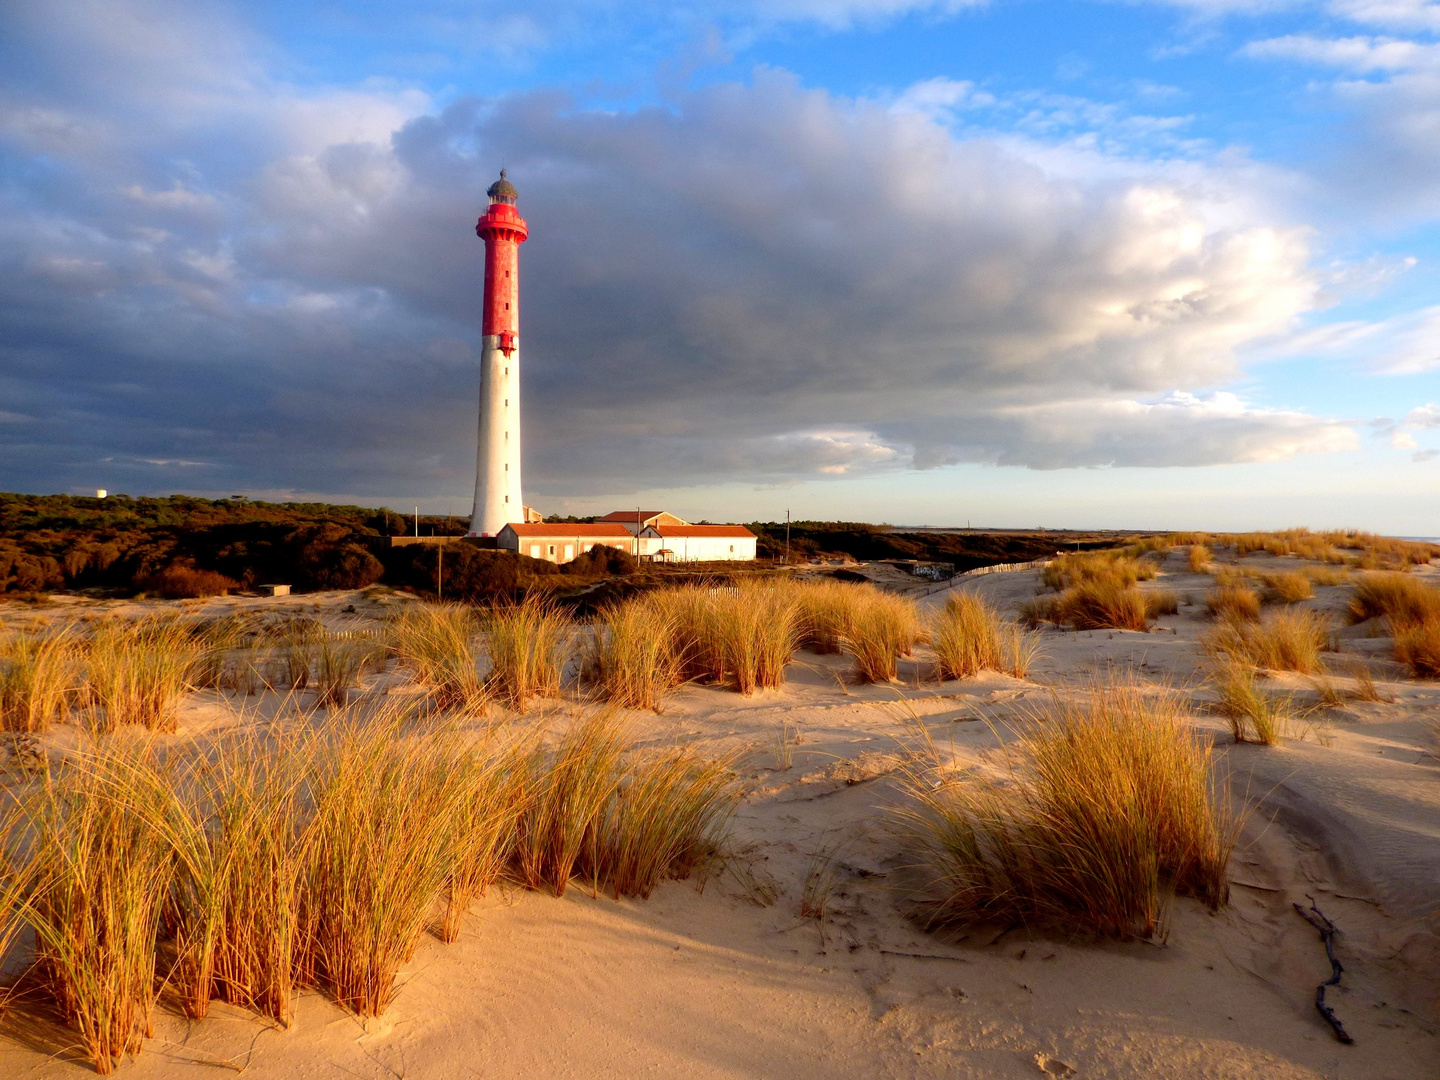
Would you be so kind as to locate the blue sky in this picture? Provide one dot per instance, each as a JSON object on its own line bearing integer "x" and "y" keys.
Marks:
{"x": 1014, "y": 263}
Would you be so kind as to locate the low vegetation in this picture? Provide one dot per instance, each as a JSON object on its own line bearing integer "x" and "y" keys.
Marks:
{"x": 1254, "y": 715}
{"x": 1090, "y": 605}
{"x": 1289, "y": 640}
{"x": 260, "y": 864}
{"x": 437, "y": 644}
{"x": 1098, "y": 815}
{"x": 528, "y": 647}
{"x": 1233, "y": 602}
{"x": 969, "y": 637}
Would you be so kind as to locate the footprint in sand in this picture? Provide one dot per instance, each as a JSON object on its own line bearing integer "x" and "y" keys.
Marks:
{"x": 1053, "y": 1066}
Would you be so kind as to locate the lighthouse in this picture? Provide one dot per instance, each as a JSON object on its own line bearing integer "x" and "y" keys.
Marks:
{"x": 497, "y": 457}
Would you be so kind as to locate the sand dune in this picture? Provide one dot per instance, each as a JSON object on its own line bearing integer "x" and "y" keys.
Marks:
{"x": 701, "y": 981}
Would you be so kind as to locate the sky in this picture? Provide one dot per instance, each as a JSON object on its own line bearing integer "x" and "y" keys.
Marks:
{"x": 1060, "y": 263}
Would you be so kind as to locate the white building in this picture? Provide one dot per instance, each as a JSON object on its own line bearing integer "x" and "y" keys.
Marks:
{"x": 637, "y": 520}
{"x": 559, "y": 543}
{"x": 697, "y": 543}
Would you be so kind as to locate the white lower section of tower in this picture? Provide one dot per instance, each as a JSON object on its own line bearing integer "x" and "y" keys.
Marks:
{"x": 497, "y": 458}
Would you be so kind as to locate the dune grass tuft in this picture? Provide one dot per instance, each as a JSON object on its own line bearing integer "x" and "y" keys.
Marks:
{"x": 1287, "y": 587}
{"x": 1286, "y": 640}
{"x": 1200, "y": 558}
{"x": 527, "y": 644}
{"x": 966, "y": 638}
{"x": 969, "y": 636}
{"x": 99, "y": 877}
{"x": 40, "y": 677}
{"x": 138, "y": 672}
{"x": 1233, "y": 602}
{"x": 668, "y": 813}
{"x": 632, "y": 659}
{"x": 1091, "y": 605}
{"x": 1099, "y": 814}
{"x": 436, "y": 642}
{"x": 389, "y": 799}
{"x": 879, "y": 629}
{"x": 1253, "y": 714}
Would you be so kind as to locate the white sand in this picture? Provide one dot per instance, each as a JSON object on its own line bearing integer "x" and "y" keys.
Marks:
{"x": 704, "y": 983}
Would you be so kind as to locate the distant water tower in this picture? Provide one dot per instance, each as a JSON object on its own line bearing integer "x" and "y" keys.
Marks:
{"x": 497, "y": 457}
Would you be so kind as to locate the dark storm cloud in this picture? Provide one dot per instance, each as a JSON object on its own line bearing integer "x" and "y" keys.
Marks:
{"x": 761, "y": 280}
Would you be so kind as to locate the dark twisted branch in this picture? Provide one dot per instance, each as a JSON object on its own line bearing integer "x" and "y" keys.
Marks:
{"x": 1316, "y": 918}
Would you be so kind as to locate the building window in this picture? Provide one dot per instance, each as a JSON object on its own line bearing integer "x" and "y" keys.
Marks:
{"x": 507, "y": 498}
{"x": 507, "y": 307}
{"x": 507, "y": 469}
{"x": 732, "y": 546}
{"x": 552, "y": 549}
{"x": 507, "y": 402}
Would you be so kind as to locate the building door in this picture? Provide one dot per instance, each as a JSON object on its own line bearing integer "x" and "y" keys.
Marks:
{"x": 569, "y": 552}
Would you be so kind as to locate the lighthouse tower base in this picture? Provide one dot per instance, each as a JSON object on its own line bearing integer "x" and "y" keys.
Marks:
{"x": 497, "y": 458}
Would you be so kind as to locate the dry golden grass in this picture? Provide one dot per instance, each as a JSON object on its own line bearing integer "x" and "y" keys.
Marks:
{"x": 669, "y": 812}
{"x": 824, "y": 609}
{"x": 1418, "y": 648}
{"x": 1233, "y": 602}
{"x": 632, "y": 659}
{"x": 235, "y": 822}
{"x": 1412, "y": 609}
{"x": 1111, "y": 568}
{"x": 99, "y": 874}
{"x": 1161, "y": 602}
{"x": 966, "y": 637}
{"x": 1091, "y": 605}
{"x": 260, "y": 862}
{"x": 746, "y": 633}
{"x": 1404, "y": 600}
{"x": 757, "y": 630}
{"x": 1254, "y": 715}
{"x": 1099, "y": 814}
{"x": 40, "y": 676}
{"x": 389, "y": 800}
{"x": 1200, "y": 558}
{"x": 1287, "y": 640}
{"x": 527, "y": 644}
{"x": 492, "y": 802}
{"x": 1287, "y": 587}
{"x": 138, "y": 672}
{"x": 436, "y": 642}
{"x": 567, "y": 789}
{"x": 878, "y": 631}
{"x": 969, "y": 637}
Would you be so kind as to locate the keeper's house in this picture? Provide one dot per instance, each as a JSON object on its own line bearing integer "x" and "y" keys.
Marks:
{"x": 697, "y": 543}
{"x": 637, "y": 521}
{"x": 559, "y": 543}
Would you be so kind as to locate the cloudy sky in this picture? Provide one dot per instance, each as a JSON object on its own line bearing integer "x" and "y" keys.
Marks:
{"x": 1017, "y": 262}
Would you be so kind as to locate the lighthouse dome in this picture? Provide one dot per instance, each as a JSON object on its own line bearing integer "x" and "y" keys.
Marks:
{"x": 502, "y": 190}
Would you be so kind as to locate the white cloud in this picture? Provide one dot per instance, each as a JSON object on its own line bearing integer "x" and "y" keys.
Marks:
{"x": 1358, "y": 54}
{"x": 759, "y": 279}
{"x": 1425, "y": 416}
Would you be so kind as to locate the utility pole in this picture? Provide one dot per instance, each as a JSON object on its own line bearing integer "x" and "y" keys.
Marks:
{"x": 787, "y": 536}
{"x": 417, "y": 521}
{"x": 637, "y": 533}
{"x": 440, "y": 571}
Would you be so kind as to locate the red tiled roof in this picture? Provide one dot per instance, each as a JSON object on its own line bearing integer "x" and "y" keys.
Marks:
{"x": 566, "y": 529}
{"x": 631, "y": 515}
{"x": 666, "y": 532}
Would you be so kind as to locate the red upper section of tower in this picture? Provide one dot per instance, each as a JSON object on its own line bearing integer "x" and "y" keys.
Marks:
{"x": 503, "y": 230}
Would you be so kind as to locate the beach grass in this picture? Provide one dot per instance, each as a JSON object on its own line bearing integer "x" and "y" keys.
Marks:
{"x": 1098, "y": 814}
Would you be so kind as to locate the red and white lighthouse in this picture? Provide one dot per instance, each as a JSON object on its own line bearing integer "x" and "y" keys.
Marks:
{"x": 497, "y": 458}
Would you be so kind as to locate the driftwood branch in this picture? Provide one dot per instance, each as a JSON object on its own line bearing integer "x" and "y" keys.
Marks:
{"x": 1316, "y": 918}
